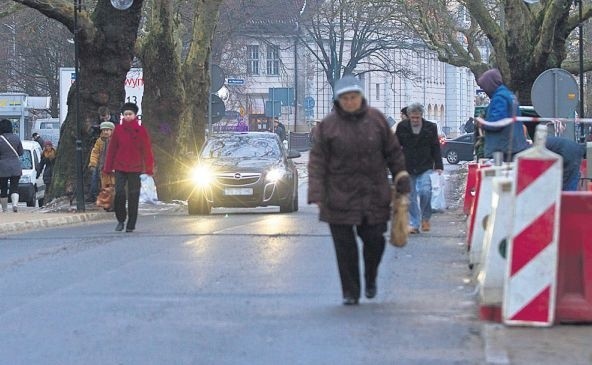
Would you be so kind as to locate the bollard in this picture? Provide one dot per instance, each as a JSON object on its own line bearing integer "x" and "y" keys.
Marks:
{"x": 531, "y": 271}
{"x": 470, "y": 187}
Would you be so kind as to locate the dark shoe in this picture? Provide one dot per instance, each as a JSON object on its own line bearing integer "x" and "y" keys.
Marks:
{"x": 119, "y": 227}
{"x": 370, "y": 291}
{"x": 413, "y": 230}
{"x": 128, "y": 230}
{"x": 350, "y": 301}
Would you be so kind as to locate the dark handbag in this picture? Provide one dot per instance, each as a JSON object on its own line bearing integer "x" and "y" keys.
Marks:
{"x": 106, "y": 197}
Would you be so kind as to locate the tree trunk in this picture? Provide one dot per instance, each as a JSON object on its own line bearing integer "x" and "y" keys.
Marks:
{"x": 176, "y": 95}
{"x": 106, "y": 54}
{"x": 163, "y": 103}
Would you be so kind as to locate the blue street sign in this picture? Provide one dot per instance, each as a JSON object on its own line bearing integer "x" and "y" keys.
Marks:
{"x": 309, "y": 102}
{"x": 231, "y": 82}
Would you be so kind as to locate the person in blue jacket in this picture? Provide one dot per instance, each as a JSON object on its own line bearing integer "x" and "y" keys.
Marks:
{"x": 504, "y": 104}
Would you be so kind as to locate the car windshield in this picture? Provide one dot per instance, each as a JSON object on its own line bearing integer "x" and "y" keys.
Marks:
{"x": 26, "y": 160}
{"x": 242, "y": 146}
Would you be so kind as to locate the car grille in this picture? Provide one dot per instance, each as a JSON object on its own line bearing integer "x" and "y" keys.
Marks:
{"x": 238, "y": 179}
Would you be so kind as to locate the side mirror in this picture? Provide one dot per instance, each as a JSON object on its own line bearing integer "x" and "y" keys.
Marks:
{"x": 293, "y": 154}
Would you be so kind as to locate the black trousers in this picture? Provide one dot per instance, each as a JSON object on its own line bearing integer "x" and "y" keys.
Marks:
{"x": 8, "y": 186}
{"x": 131, "y": 195}
{"x": 346, "y": 249}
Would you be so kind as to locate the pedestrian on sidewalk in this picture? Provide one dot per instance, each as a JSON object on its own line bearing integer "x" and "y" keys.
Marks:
{"x": 353, "y": 147}
{"x": 129, "y": 154}
{"x": 48, "y": 158}
{"x": 421, "y": 147}
{"x": 11, "y": 170}
{"x": 97, "y": 159}
{"x": 37, "y": 138}
{"x": 509, "y": 139}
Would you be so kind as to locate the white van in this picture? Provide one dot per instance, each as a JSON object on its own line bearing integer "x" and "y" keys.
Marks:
{"x": 48, "y": 129}
{"x": 31, "y": 189}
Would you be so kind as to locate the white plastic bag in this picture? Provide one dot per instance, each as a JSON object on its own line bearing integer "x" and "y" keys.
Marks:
{"x": 148, "y": 190}
{"x": 438, "y": 187}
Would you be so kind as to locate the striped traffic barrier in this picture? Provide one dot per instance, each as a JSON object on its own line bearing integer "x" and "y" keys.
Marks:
{"x": 531, "y": 272}
{"x": 481, "y": 213}
{"x": 497, "y": 233}
{"x": 470, "y": 187}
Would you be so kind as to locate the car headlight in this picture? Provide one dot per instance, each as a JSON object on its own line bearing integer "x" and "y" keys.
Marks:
{"x": 25, "y": 179}
{"x": 202, "y": 175}
{"x": 274, "y": 175}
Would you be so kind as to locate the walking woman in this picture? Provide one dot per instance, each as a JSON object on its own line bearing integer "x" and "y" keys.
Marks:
{"x": 129, "y": 154}
{"x": 48, "y": 158}
{"x": 11, "y": 149}
{"x": 354, "y": 146}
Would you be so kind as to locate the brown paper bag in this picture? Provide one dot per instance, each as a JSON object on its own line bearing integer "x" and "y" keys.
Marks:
{"x": 400, "y": 219}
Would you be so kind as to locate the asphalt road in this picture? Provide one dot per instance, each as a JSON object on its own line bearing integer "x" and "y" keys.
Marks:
{"x": 236, "y": 287}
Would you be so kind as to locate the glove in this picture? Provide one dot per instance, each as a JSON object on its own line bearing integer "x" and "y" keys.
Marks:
{"x": 403, "y": 183}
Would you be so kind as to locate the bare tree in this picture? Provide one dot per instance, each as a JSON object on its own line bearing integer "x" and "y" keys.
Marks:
{"x": 107, "y": 38}
{"x": 37, "y": 47}
{"x": 343, "y": 34}
{"x": 524, "y": 39}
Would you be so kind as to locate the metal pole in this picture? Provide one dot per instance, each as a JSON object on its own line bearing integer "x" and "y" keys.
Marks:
{"x": 581, "y": 50}
{"x": 296, "y": 81}
{"x": 210, "y": 95}
{"x": 79, "y": 172}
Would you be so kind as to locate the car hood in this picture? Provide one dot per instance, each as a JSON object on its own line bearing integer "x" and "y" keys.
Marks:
{"x": 242, "y": 164}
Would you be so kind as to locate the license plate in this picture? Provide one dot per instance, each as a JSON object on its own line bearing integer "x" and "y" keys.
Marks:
{"x": 238, "y": 191}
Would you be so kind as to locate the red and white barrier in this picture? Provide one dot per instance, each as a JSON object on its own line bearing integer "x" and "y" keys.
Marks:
{"x": 482, "y": 212}
{"x": 497, "y": 234}
{"x": 531, "y": 274}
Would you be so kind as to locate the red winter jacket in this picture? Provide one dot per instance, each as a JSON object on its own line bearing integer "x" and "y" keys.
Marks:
{"x": 129, "y": 149}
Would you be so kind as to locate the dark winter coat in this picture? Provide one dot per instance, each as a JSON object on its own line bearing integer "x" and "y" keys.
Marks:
{"x": 348, "y": 167}
{"x": 422, "y": 151}
{"x": 46, "y": 165}
{"x": 129, "y": 150}
{"x": 10, "y": 163}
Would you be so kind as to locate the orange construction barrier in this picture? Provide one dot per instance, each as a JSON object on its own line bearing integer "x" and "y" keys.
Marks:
{"x": 574, "y": 278}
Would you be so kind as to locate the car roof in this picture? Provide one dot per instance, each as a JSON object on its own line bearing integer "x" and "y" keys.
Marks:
{"x": 248, "y": 134}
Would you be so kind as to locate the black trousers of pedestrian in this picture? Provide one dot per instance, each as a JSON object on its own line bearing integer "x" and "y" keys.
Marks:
{"x": 8, "y": 186}
{"x": 346, "y": 248}
{"x": 131, "y": 195}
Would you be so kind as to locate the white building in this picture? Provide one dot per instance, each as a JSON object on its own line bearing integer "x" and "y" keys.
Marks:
{"x": 279, "y": 64}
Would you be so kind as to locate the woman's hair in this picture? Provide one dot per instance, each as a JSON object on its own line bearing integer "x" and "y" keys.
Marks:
{"x": 5, "y": 126}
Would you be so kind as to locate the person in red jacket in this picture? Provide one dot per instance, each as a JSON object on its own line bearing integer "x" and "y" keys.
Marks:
{"x": 129, "y": 155}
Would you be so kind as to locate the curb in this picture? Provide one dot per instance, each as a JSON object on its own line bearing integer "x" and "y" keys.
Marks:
{"x": 53, "y": 222}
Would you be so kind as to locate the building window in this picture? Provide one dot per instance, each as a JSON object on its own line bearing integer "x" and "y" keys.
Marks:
{"x": 253, "y": 60}
{"x": 273, "y": 60}
{"x": 377, "y": 91}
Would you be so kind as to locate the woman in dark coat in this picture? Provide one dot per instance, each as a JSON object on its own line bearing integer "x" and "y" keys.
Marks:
{"x": 48, "y": 158}
{"x": 11, "y": 170}
{"x": 348, "y": 180}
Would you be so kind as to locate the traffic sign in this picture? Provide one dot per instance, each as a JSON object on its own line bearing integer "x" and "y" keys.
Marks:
{"x": 216, "y": 78}
{"x": 234, "y": 82}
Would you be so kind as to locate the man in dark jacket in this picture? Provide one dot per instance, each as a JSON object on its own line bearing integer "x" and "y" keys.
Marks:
{"x": 421, "y": 147}
{"x": 353, "y": 147}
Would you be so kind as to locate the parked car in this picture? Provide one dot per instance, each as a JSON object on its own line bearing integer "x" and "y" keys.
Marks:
{"x": 244, "y": 169}
{"x": 31, "y": 189}
{"x": 458, "y": 149}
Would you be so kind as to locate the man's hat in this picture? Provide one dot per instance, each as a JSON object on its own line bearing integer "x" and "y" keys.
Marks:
{"x": 129, "y": 106}
{"x": 107, "y": 125}
{"x": 347, "y": 84}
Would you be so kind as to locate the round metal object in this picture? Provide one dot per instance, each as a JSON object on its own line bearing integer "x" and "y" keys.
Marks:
{"x": 122, "y": 4}
{"x": 217, "y": 78}
{"x": 218, "y": 109}
{"x": 555, "y": 94}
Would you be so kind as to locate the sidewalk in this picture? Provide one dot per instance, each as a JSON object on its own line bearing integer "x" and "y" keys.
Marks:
{"x": 62, "y": 214}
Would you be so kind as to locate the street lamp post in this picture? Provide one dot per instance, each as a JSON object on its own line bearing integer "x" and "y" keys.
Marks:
{"x": 79, "y": 171}
{"x": 581, "y": 50}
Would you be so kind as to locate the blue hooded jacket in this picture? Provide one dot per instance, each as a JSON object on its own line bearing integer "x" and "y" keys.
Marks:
{"x": 503, "y": 105}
